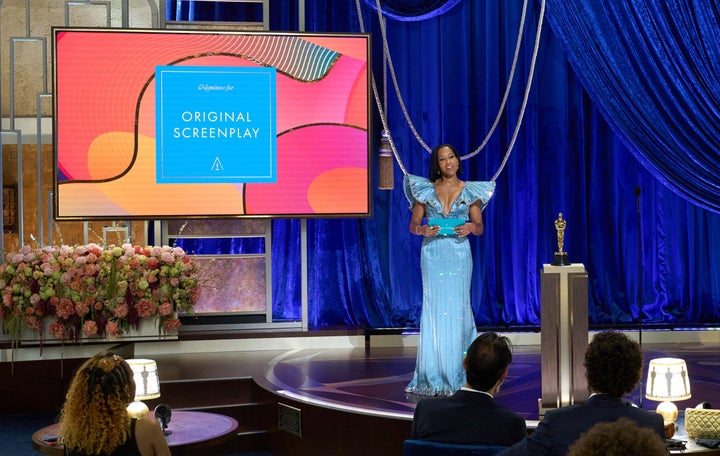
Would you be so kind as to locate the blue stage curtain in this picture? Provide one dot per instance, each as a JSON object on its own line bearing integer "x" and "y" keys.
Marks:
{"x": 653, "y": 69}
{"x": 568, "y": 158}
{"x": 413, "y": 10}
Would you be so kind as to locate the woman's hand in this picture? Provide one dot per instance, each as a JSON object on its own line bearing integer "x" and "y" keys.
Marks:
{"x": 465, "y": 229}
{"x": 427, "y": 230}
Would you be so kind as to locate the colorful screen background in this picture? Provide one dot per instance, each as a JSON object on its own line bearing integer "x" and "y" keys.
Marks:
{"x": 105, "y": 124}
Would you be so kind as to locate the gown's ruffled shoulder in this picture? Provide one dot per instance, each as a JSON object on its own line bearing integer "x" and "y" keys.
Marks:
{"x": 417, "y": 189}
{"x": 478, "y": 191}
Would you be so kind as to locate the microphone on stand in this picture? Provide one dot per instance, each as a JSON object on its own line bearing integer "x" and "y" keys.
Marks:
{"x": 639, "y": 261}
{"x": 640, "y": 277}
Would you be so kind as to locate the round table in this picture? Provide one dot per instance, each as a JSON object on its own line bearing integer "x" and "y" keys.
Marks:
{"x": 190, "y": 432}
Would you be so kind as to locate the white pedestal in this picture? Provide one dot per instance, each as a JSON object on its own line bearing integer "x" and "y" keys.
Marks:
{"x": 564, "y": 334}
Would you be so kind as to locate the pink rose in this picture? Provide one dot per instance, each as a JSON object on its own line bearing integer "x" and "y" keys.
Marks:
{"x": 57, "y": 330}
{"x": 171, "y": 325}
{"x": 113, "y": 329}
{"x": 32, "y": 322}
{"x": 165, "y": 309}
{"x": 89, "y": 328}
{"x": 65, "y": 308}
{"x": 81, "y": 308}
{"x": 145, "y": 308}
{"x": 121, "y": 311}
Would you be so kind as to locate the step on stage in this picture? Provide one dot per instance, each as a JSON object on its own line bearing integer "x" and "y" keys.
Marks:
{"x": 321, "y": 399}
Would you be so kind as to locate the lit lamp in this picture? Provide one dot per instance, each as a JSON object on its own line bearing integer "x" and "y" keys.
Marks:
{"x": 147, "y": 385}
{"x": 668, "y": 381}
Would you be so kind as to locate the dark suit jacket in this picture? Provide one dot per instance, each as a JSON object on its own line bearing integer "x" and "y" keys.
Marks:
{"x": 562, "y": 427}
{"x": 467, "y": 417}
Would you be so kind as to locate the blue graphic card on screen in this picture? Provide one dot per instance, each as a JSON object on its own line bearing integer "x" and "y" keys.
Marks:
{"x": 215, "y": 125}
{"x": 446, "y": 225}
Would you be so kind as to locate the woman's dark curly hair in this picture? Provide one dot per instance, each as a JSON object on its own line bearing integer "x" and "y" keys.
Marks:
{"x": 94, "y": 418}
{"x": 613, "y": 364}
{"x": 434, "y": 172}
{"x": 620, "y": 438}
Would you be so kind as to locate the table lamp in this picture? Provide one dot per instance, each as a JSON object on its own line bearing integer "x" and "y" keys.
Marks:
{"x": 668, "y": 381}
{"x": 147, "y": 385}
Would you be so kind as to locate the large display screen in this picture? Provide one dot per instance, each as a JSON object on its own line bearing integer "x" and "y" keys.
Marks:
{"x": 184, "y": 124}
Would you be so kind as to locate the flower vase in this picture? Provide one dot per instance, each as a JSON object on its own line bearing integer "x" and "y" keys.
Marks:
{"x": 147, "y": 330}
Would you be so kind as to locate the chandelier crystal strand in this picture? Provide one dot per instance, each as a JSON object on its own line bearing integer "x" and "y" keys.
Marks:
{"x": 386, "y": 162}
{"x": 381, "y": 111}
{"x": 510, "y": 77}
{"x": 508, "y": 86}
{"x": 527, "y": 91}
{"x": 386, "y": 51}
{"x": 383, "y": 119}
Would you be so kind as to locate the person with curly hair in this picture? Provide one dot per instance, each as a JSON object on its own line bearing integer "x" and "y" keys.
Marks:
{"x": 619, "y": 438}
{"x": 613, "y": 368}
{"x": 94, "y": 420}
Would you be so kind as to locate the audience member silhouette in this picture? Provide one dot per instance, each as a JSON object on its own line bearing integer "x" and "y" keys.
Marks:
{"x": 471, "y": 415}
{"x": 613, "y": 367}
{"x": 94, "y": 420}
{"x": 619, "y": 438}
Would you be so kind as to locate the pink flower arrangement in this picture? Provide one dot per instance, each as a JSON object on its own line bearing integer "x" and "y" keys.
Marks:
{"x": 92, "y": 291}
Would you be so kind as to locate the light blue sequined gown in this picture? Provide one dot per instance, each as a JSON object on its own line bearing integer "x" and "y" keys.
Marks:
{"x": 447, "y": 323}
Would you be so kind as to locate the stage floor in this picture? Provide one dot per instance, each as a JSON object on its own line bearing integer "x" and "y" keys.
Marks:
{"x": 372, "y": 380}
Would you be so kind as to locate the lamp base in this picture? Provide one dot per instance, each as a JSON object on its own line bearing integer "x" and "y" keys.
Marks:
{"x": 669, "y": 429}
{"x": 668, "y": 410}
{"x": 138, "y": 410}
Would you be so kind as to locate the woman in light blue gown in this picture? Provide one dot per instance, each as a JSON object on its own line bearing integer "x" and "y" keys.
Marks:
{"x": 447, "y": 323}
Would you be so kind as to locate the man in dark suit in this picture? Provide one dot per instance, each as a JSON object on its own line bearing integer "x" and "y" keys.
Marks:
{"x": 471, "y": 416}
{"x": 613, "y": 367}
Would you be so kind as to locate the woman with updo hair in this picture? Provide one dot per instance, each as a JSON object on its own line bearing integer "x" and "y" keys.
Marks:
{"x": 94, "y": 420}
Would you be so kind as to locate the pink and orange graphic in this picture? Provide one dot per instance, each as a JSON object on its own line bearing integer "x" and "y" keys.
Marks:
{"x": 105, "y": 142}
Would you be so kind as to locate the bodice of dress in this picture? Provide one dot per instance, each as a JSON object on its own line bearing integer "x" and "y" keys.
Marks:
{"x": 422, "y": 190}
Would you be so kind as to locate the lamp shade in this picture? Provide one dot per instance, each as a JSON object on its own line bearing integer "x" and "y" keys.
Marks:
{"x": 147, "y": 382}
{"x": 668, "y": 380}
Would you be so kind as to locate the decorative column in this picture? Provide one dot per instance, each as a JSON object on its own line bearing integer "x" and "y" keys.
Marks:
{"x": 563, "y": 335}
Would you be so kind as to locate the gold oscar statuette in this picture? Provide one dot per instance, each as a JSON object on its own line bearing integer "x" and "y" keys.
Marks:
{"x": 561, "y": 257}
